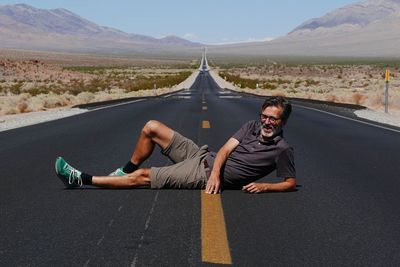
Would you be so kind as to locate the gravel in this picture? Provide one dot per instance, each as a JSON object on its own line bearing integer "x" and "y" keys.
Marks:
{"x": 8, "y": 122}
{"x": 392, "y": 118}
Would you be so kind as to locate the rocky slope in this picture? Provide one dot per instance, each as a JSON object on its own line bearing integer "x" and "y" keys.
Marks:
{"x": 367, "y": 28}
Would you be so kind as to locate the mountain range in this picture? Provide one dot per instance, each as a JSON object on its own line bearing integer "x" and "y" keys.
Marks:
{"x": 26, "y": 27}
{"x": 365, "y": 29}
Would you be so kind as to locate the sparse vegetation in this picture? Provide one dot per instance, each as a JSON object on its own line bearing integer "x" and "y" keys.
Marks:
{"x": 270, "y": 84}
{"x": 47, "y": 82}
{"x": 357, "y": 81}
{"x": 36, "y": 85}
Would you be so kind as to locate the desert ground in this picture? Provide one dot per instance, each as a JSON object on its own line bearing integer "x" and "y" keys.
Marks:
{"x": 361, "y": 83}
{"x": 37, "y": 81}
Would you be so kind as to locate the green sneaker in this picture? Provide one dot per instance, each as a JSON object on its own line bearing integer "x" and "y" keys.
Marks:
{"x": 117, "y": 172}
{"x": 70, "y": 176}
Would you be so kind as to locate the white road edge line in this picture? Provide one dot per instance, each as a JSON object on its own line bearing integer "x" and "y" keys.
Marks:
{"x": 227, "y": 96}
{"x": 116, "y": 105}
{"x": 350, "y": 119}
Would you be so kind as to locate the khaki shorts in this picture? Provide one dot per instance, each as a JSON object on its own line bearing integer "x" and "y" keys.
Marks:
{"x": 188, "y": 170}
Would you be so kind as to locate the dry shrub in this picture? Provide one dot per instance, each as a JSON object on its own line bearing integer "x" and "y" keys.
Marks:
{"x": 85, "y": 97}
{"x": 358, "y": 98}
{"x": 24, "y": 97}
{"x": 36, "y": 103}
{"x": 9, "y": 110}
{"x": 66, "y": 99}
{"x": 14, "y": 104}
{"x": 394, "y": 99}
{"x": 102, "y": 96}
{"x": 116, "y": 90}
{"x": 375, "y": 101}
{"x": 308, "y": 96}
{"x": 44, "y": 101}
{"x": 331, "y": 98}
{"x": 22, "y": 107}
{"x": 8, "y": 105}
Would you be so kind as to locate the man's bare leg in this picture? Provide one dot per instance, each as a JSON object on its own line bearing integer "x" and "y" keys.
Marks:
{"x": 153, "y": 132}
{"x": 138, "y": 178}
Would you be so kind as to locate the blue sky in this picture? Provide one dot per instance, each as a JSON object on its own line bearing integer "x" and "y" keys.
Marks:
{"x": 205, "y": 21}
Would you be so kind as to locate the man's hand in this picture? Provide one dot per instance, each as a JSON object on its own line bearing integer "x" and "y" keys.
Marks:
{"x": 255, "y": 188}
{"x": 288, "y": 184}
{"x": 213, "y": 185}
{"x": 214, "y": 181}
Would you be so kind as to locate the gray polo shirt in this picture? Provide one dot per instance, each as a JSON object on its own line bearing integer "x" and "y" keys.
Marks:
{"x": 253, "y": 159}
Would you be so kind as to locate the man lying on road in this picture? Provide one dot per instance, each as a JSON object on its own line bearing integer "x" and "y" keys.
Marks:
{"x": 254, "y": 151}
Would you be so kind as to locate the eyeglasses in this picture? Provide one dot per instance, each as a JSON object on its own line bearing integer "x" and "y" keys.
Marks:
{"x": 272, "y": 119}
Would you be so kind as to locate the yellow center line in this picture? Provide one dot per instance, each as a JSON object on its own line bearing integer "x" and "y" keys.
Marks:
{"x": 206, "y": 125}
{"x": 214, "y": 239}
{"x": 205, "y": 107}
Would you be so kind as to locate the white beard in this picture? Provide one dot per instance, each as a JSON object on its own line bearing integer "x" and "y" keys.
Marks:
{"x": 270, "y": 133}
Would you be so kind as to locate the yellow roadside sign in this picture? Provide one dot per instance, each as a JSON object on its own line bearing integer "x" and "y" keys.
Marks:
{"x": 387, "y": 75}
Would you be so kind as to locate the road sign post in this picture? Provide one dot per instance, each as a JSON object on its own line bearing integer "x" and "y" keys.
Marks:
{"x": 387, "y": 78}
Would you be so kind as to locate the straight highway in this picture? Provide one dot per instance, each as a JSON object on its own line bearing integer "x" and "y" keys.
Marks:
{"x": 344, "y": 212}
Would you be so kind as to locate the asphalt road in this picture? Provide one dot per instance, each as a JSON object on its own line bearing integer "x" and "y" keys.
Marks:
{"x": 345, "y": 211}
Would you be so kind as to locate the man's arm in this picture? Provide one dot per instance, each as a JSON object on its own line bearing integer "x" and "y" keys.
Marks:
{"x": 288, "y": 184}
{"x": 214, "y": 181}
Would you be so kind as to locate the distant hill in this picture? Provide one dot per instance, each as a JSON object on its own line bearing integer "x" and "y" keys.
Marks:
{"x": 26, "y": 27}
{"x": 367, "y": 28}
{"x": 359, "y": 15}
